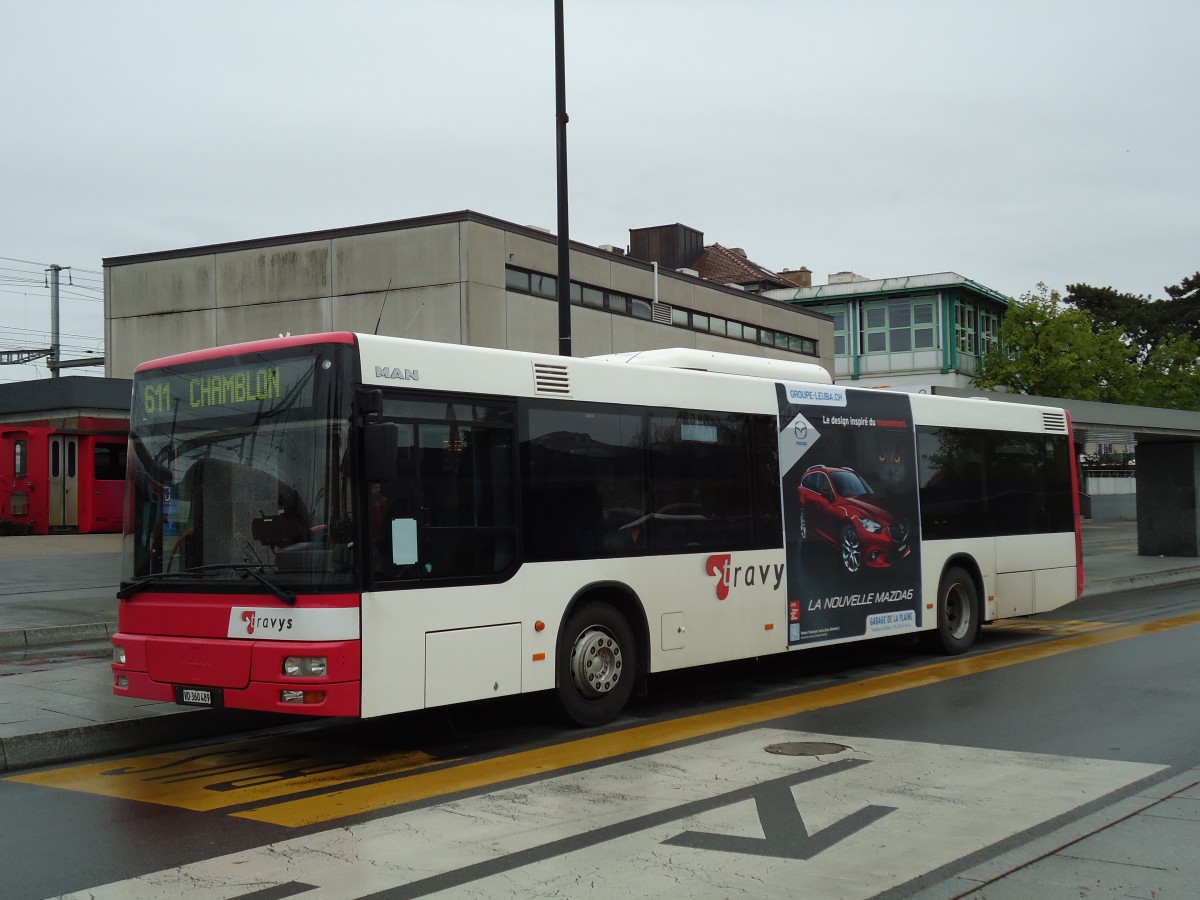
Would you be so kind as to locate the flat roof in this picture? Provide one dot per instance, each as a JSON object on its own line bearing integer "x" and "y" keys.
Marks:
{"x": 69, "y": 392}
{"x": 465, "y": 215}
{"x": 901, "y": 284}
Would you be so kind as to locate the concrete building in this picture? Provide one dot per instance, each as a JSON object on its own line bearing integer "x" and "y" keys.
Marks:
{"x": 460, "y": 277}
{"x": 911, "y": 332}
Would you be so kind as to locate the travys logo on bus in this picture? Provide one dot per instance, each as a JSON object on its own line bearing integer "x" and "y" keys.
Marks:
{"x": 730, "y": 576}
{"x": 265, "y": 623}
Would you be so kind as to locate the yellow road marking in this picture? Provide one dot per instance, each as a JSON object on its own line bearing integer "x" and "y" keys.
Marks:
{"x": 1050, "y": 626}
{"x": 258, "y": 771}
{"x": 206, "y": 778}
{"x": 356, "y": 800}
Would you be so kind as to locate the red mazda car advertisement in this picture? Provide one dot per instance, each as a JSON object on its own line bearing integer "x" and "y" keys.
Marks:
{"x": 848, "y": 466}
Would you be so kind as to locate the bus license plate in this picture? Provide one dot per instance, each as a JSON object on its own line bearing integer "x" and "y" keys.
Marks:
{"x": 187, "y": 696}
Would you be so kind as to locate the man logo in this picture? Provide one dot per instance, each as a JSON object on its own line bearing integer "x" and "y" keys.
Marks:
{"x": 397, "y": 374}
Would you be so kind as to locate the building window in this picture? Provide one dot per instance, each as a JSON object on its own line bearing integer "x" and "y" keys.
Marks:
{"x": 900, "y": 326}
{"x": 924, "y": 325}
{"x": 874, "y": 317}
{"x": 965, "y": 332}
{"x": 539, "y": 285}
{"x": 840, "y": 334}
{"x": 543, "y": 285}
{"x": 516, "y": 280}
{"x": 989, "y": 330}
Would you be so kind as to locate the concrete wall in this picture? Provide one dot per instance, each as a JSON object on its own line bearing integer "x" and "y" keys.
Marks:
{"x": 440, "y": 279}
{"x": 1114, "y": 508}
{"x": 1167, "y": 489}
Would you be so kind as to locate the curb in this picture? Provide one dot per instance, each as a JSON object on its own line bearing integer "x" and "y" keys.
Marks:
{"x": 1149, "y": 579}
{"x": 28, "y": 751}
{"x": 51, "y": 635}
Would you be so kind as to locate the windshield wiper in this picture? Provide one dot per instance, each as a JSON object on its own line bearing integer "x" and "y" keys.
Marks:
{"x": 254, "y": 570}
{"x": 251, "y": 569}
{"x": 138, "y": 584}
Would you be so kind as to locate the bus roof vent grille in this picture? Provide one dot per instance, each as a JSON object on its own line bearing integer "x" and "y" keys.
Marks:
{"x": 1056, "y": 422}
{"x": 661, "y": 313}
{"x": 552, "y": 379}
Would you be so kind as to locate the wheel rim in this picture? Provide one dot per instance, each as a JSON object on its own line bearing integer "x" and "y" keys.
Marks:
{"x": 596, "y": 662}
{"x": 958, "y": 611}
{"x": 851, "y": 550}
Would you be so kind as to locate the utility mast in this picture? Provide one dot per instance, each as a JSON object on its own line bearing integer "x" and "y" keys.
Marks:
{"x": 53, "y": 353}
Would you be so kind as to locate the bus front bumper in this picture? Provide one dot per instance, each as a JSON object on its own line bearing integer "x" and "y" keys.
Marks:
{"x": 223, "y": 673}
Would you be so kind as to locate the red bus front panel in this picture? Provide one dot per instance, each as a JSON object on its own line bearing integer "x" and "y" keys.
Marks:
{"x": 235, "y": 647}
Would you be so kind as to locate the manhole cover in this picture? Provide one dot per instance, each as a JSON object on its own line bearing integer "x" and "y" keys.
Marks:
{"x": 806, "y": 748}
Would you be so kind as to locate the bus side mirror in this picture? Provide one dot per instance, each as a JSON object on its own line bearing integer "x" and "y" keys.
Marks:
{"x": 380, "y": 440}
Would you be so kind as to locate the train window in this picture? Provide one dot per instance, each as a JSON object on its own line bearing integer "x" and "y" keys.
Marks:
{"x": 109, "y": 462}
{"x": 20, "y": 459}
{"x": 54, "y": 462}
{"x": 70, "y": 459}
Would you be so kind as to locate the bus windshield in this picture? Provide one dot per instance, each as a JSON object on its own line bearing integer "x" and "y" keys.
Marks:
{"x": 237, "y": 475}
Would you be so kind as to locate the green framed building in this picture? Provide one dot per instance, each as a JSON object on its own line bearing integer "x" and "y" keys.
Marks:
{"x": 910, "y": 332}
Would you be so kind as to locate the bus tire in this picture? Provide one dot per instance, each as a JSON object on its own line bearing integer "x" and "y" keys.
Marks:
{"x": 957, "y": 612}
{"x": 597, "y": 664}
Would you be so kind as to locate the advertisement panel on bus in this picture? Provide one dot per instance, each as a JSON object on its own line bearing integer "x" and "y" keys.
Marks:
{"x": 849, "y": 482}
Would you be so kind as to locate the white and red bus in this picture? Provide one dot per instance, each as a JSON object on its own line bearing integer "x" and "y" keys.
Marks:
{"x": 354, "y": 525}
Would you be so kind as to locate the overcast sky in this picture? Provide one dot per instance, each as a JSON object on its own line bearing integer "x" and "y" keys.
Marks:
{"x": 1012, "y": 142}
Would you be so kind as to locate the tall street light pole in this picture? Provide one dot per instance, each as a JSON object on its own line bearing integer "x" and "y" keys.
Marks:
{"x": 564, "y": 239}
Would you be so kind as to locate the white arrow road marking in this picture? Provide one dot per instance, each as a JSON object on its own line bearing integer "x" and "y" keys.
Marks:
{"x": 784, "y": 832}
{"x": 708, "y": 817}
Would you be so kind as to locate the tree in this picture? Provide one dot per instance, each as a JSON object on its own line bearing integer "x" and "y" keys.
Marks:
{"x": 1050, "y": 350}
{"x": 1169, "y": 376}
{"x": 1146, "y": 322}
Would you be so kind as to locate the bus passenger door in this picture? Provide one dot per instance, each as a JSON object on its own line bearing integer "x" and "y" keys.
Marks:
{"x": 64, "y": 482}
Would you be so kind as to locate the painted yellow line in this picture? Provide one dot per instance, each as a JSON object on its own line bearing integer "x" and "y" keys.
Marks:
{"x": 382, "y": 795}
{"x": 207, "y": 778}
{"x": 1050, "y": 626}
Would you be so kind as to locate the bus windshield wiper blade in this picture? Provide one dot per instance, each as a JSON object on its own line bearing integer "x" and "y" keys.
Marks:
{"x": 254, "y": 570}
{"x": 138, "y": 584}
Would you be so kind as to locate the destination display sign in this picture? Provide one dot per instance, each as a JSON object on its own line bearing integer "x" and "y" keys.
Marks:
{"x": 231, "y": 390}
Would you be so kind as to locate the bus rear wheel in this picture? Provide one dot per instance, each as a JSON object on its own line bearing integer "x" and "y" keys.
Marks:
{"x": 957, "y": 612}
{"x": 597, "y": 661}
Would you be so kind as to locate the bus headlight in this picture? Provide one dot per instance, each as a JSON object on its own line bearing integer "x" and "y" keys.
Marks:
{"x": 118, "y": 655}
{"x": 305, "y": 667}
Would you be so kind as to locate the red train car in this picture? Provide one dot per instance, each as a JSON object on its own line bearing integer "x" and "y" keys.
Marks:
{"x": 62, "y": 455}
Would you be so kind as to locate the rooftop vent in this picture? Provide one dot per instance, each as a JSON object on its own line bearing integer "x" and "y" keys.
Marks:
{"x": 552, "y": 379}
{"x": 1055, "y": 422}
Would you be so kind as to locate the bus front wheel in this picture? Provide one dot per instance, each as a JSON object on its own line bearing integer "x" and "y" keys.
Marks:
{"x": 957, "y": 612}
{"x": 597, "y": 662}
